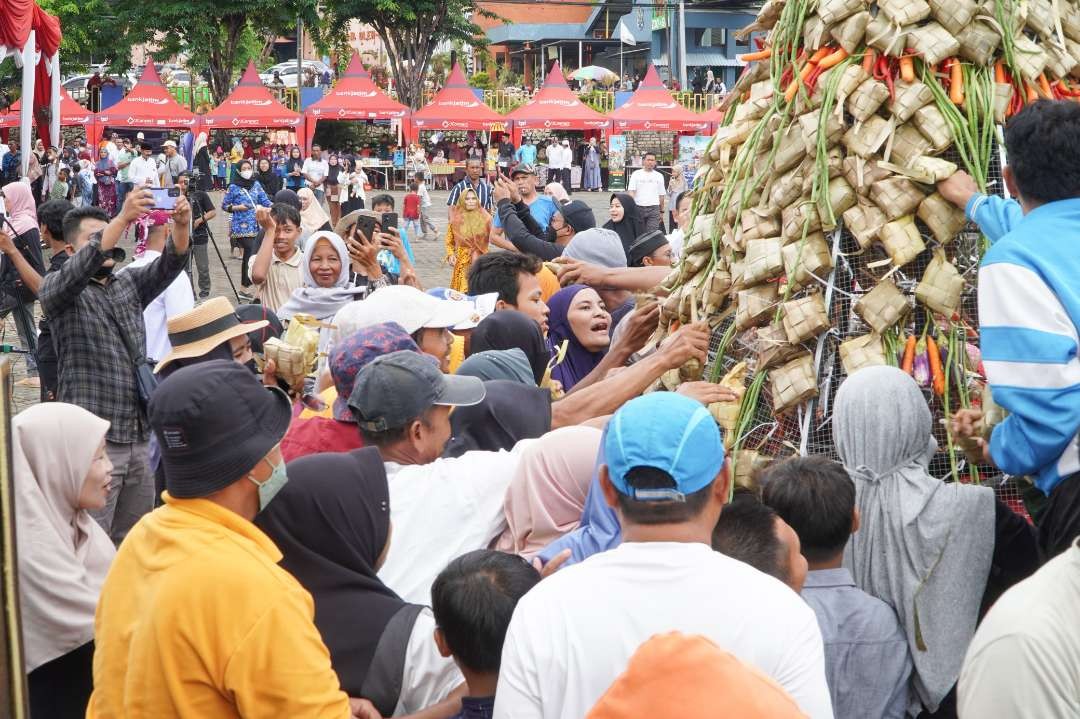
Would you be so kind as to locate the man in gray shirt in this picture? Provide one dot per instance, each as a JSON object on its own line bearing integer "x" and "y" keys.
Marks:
{"x": 867, "y": 662}
{"x": 174, "y": 164}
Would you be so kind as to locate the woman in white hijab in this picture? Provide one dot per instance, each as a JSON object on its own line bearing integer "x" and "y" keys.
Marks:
{"x": 61, "y": 471}
{"x": 924, "y": 546}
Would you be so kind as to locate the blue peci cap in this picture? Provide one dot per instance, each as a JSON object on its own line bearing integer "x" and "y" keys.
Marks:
{"x": 669, "y": 432}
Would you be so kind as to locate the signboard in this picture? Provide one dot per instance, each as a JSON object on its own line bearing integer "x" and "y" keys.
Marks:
{"x": 616, "y": 162}
{"x": 691, "y": 149}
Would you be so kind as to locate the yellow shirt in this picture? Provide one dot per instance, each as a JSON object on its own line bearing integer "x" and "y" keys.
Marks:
{"x": 282, "y": 277}
{"x": 197, "y": 620}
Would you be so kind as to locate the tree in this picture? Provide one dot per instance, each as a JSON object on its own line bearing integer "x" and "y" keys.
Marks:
{"x": 410, "y": 30}
{"x": 218, "y": 36}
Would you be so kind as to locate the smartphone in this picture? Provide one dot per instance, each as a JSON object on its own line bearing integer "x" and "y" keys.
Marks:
{"x": 365, "y": 225}
{"x": 389, "y": 219}
{"x": 165, "y": 197}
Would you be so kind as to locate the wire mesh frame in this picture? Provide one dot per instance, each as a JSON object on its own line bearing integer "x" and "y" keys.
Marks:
{"x": 808, "y": 428}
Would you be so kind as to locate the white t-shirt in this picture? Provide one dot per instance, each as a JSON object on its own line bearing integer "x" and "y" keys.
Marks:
{"x": 440, "y": 511}
{"x": 647, "y": 187}
{"x": 176, "y": 299}
{"x": 318, "y": 169}
{"x": 555, "y": 157}
{"x": 141, "y": 169}
{"x": 574, "y": 633}
{"x": 1024, "y": 660}
{"x": 428, "y": 677}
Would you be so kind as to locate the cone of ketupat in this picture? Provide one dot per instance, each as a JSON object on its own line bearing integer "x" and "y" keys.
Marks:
{"x": 845, "y": 117}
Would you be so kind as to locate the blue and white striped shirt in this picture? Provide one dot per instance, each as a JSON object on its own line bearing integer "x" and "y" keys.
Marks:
{"x": 1029, "y": 313}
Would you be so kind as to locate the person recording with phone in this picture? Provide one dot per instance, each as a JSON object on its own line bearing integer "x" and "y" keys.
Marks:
{"x": 383, "y": 207}
{"x": 21, "y": 245}
{"x": 202, "y": 211}
{"x": 97, "y": 322}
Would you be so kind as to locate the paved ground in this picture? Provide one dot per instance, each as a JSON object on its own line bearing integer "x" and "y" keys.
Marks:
{"x": 431, "y": 269}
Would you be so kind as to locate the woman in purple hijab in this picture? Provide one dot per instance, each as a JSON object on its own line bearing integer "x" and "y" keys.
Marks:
{"x": 578, "y": 318}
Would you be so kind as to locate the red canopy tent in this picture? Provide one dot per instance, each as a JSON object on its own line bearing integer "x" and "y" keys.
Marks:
{"x": 71, "y": 112}
{"x": 456, "y": 107}
{"x": 251, "y": 105}
{"x": 653, "y": 108}
{"x": 32, "y": 37}
{"x": 149, "y": 104}
{"x": 354, "y": 97}
{"x": 555, "y": 107}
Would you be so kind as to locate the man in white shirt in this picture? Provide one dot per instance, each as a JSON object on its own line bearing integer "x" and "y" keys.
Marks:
{"x": 565, "y": 166}
{"x": 178, "y": 297}
{"x": 663, "y": 472}
{"x": 315, "y": 169}
{"x": 113, "y": 146}
{"x": 143, "y": 169}
{"x": 173, "y": 165}
{"x": 1024, "y": 660}
{"x": 649, "y": 191}
{"x": 439, "y": 508}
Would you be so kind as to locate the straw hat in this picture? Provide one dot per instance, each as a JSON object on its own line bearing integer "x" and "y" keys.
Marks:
{"x": 196, "y": 332}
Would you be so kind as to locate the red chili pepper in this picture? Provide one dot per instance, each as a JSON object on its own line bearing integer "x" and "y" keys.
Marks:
{"x": 811, "y": 81}
{"x": 759, "y": 42}
{"x": 884, "y": 71}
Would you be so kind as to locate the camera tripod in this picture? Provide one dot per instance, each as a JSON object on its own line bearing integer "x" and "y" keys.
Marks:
{"x": 196, "y": 207}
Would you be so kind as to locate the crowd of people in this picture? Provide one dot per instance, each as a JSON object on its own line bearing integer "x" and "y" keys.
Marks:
{"x": 474, "y": 502}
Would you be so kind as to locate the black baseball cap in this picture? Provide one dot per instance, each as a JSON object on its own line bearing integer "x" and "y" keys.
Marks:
{"x": 214, "y": 421}
{"x": 395, "y": 389}
{"x": 578, "y": 215}
{"x": 523, "y": 168}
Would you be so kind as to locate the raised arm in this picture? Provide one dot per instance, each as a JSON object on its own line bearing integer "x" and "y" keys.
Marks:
{"x": 30, "y": 276}
{"x": 260, "y": 265}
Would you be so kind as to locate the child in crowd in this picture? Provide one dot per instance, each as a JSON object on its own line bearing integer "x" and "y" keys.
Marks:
{"x": 473, "y": 600}
{"x": 755, "y": 534}
{"x": 411, "y": 209}
{"x": 61, "y": 190}
{"x": 867, "y": 663}
{"x": 427, "y": 227}
{"x": 380, "y": 205}
{"x": 275, "y": 269}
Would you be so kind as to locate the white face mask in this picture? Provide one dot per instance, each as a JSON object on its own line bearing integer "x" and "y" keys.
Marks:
{"x": 246, "y": 174}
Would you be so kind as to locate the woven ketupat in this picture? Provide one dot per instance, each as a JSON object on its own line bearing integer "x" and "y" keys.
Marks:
{"x": 943, "y": 218}
{"x": 756, "y": 305}
{"x": 941, "y": 286}
{"x": 934, "y": 127}
{"x": 896, "y": 196}
{"x": 954, "y": 15}
{"x": 867, "y": 138}
{"x": 805, "y": 260}
{"x": 864, "y": 221}
{"x": 933, "y": 42}
{"x": 904, "y": 12}
{"x": 772, "y": 346}
{"x": 793, "y": 383}
{"x": 805, "y": 318}
{"x": 859, "y": 352}
{"x": 907, "y": 144}
{"x": 883, "y": 306}
{"x": 763, "y": 261}
{"x": 867, "y": 98}
{"x": 902, "y": 240}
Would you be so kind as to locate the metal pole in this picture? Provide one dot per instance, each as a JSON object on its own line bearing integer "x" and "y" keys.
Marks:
{"x": 299, "y": 61}
{"x": 682, "y": 43}
{"x": 580, "y": 53}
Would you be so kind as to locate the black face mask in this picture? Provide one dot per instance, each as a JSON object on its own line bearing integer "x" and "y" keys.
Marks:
{"x": 104, "y": 272}
{"x": 250, "y": 364}
{"x": 552, "y": 234}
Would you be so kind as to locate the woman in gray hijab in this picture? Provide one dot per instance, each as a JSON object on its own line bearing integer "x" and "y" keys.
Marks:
{"x": 926, "y": 547}
{"x": 511, "y": 364}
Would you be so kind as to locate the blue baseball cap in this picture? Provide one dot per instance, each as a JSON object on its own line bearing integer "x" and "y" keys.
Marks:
{"x": 669, "y": 432}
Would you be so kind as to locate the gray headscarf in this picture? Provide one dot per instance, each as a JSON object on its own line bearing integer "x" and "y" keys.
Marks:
{"x": 511, "y": 364}
{"x": 597, "y": 246}
{"x": 924, "y": 546}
